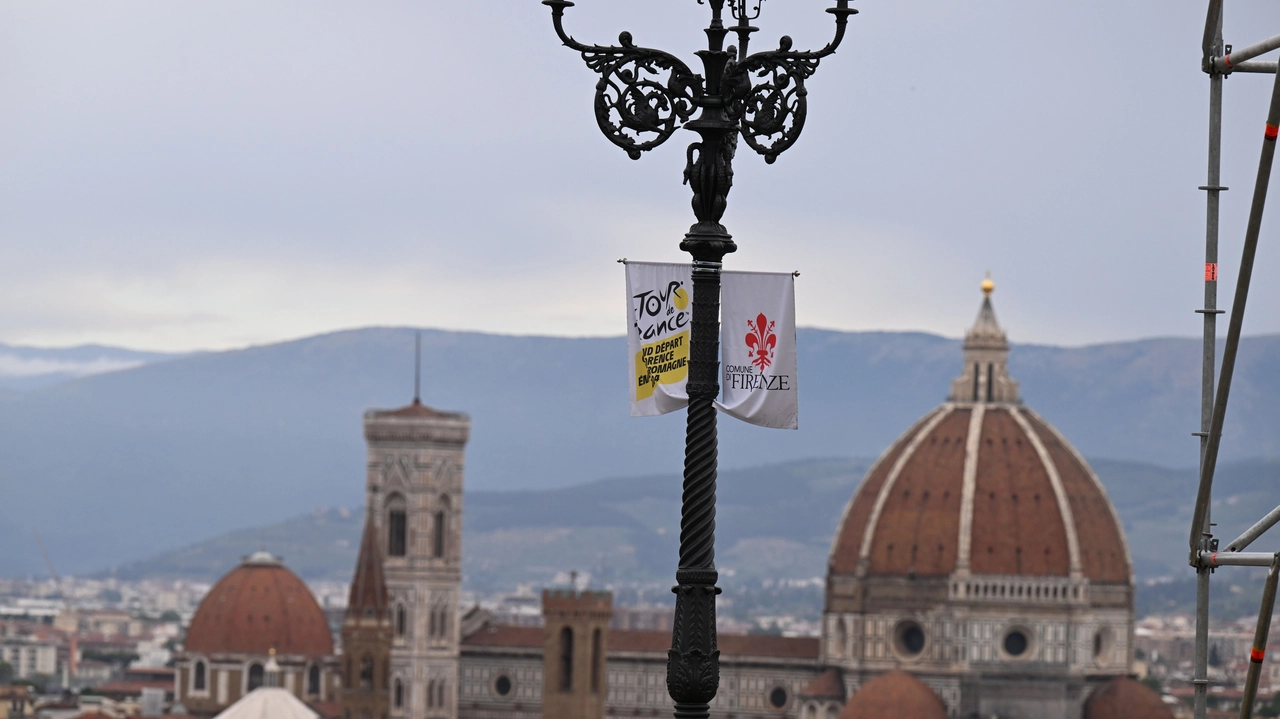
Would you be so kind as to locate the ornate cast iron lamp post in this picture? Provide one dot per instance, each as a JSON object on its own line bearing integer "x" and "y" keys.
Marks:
{"x": 642, "y": 98}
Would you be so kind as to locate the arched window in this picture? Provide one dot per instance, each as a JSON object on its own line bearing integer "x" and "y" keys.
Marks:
{"x": 400, "y": 620}
{"x": 595, "y": 661}
{"x": 440, "y": 693}
{"x": 198, "y": 681}
{"x": 366, "y": 673}
{"x": 397, "y": 526}
{"x": 398, "y": 695}
{"x": 566, "y": 660}
{"x": 432, "y": 628}
{"x": 441, "y": 525}
{"x": 313, "y": 680}
{"x": 431, "y": 693}
{"x": 255, "y": 676}
{"x": 840, "y": 639}
{"x": 444, "y": 621}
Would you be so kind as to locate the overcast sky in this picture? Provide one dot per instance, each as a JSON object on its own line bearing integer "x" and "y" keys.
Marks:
{"x": 213, "y": 174}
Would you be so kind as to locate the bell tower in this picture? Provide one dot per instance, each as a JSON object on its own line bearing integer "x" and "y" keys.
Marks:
{"x": 574, "y": 676}
{"x": 415, "y": 480}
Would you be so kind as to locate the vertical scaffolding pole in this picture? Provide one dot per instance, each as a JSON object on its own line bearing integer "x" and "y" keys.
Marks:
{"x": 1212, "y": 47}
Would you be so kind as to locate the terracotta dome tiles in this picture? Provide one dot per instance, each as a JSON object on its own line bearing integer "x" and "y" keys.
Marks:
{"x": 919, "y": 521}
{"x": 894, "y": 694}
{"x": 844, "y": 558}
{"x": 256, "y": 608}
{"x": 1021, "y": 528}
{"x": 1103, "y": 553}
{"x": 1036, "y": 507}
{"x": 1125, "y": 698}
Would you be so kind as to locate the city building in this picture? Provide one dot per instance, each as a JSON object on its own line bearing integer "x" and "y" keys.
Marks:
{"x": 260, "y": 613}
{"x": 979, "y": 571}
{"x": 30, "y": 655}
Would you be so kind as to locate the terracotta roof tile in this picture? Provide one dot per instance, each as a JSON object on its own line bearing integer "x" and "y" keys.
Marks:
{"x": 919, "y": 525}
{"x": 844, "y": 555}
{"x": 415, "y": 410}
{"x": 630, "y": 640}
{"x": 1125, "y": 698}
{"x": 1021, "y": 529}
{"x": 506, "y": 635}
{"x": 256, "y": 608}
{"x": 828, "y": 685}
{"x": 894, "y": 694}
{"x": 1102, "y": 550}
{"x": 368, "y": 594}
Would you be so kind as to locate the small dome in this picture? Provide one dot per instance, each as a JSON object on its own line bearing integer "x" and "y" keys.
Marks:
{"x": 1124, "y": 698}
{"x": 894, "y": 694}
{"x": 257, "y": 607}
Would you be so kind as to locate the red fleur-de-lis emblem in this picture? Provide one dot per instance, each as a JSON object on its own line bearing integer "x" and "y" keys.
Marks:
{"x": 761, "y": 341}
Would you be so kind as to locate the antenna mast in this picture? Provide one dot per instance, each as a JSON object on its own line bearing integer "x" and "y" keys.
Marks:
{"x": 417, "y": 368}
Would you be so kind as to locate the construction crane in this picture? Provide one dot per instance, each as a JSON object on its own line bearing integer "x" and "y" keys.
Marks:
{"x": 57, "y": 581}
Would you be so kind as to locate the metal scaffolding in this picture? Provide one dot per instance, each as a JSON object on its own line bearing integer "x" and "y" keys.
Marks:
{"x": 1219, "y": 61}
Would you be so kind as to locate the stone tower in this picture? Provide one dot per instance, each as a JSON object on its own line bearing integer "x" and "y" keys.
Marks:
{"x": 574, "y": 680}
{"x": 366, "y": 634}
{"x": 415, "y": 470}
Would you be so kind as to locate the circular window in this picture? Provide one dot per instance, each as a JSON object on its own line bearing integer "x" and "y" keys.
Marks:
{"x": 778, "y": 697}
{"x": 908, "y": 638}
{"x": 502, "y": 685}
{"x": 1015, "y": 643}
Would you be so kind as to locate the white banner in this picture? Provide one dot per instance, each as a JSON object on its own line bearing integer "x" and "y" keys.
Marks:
{"x": 659, "y": 313}
{"x": 758, "y": 348}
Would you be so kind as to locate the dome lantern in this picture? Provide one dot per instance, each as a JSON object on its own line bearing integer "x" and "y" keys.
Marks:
{"x": 985, "y": 377}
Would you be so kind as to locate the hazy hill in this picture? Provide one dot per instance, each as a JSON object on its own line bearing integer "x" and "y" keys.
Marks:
{"x": 773, "y": 522}
{"x": 25, "y": 368}
{"x": 119, "y": 466}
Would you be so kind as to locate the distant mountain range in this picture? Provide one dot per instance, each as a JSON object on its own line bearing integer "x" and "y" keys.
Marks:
{"x": 26, "y": 368}
{"x": 120, "y": 466}
{"x": 773, "y": 522}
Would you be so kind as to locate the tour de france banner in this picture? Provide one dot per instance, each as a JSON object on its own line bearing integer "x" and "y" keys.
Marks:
{"x": 660, "y": 311}
{"x": 758, "y": 348}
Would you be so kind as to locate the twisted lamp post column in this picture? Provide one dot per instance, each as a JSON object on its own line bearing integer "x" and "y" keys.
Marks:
{"x": 643, "y": 96}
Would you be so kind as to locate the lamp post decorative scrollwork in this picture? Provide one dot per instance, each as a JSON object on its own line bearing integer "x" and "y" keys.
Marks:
{"x": 642, "y": 98}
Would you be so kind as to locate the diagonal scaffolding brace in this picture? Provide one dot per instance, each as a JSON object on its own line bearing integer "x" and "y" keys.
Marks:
{"x": 1259, "y": 650}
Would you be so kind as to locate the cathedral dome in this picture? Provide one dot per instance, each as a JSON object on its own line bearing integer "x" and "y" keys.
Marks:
{"x": 1124, "y": 698}
{"x": 258, "y": 607}
{"x": 982, "y": 485}
{"x": 894, "y": 694}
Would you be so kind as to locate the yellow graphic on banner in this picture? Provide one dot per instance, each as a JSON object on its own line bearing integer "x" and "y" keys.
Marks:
{"x": 663, "y": 362}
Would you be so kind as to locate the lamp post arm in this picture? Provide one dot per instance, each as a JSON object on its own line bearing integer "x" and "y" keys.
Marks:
{"x": 643, "y": 95}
